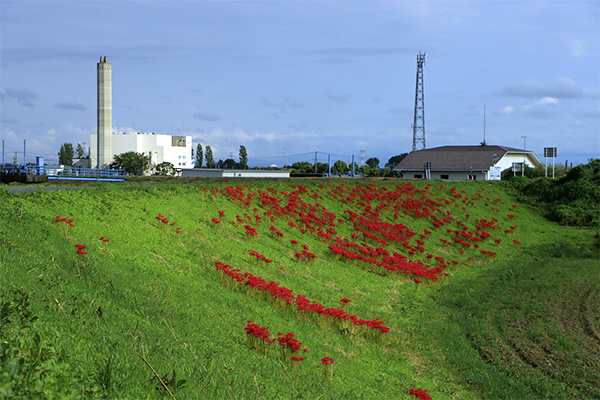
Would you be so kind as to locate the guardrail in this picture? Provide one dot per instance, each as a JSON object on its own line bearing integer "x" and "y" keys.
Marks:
{"x": 63, "y": 172}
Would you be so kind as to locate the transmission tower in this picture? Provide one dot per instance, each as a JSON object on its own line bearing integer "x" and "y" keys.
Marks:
{"x": 419, "y": 119}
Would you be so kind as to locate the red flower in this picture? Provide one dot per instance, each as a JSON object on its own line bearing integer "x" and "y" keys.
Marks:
{"x": 327, "y": 360}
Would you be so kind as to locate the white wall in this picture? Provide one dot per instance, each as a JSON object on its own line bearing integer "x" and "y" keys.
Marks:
{"x": 158, "y": 147}
{"x": 510, "y": 158}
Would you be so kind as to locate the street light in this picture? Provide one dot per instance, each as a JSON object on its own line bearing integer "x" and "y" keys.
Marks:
{"x": 524, "y": 148}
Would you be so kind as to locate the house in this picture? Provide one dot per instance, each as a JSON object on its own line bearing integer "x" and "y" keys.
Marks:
{"x": 483, "y": 162}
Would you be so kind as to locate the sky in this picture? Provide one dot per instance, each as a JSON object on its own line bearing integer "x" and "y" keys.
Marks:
{"x": 287, "y": 79}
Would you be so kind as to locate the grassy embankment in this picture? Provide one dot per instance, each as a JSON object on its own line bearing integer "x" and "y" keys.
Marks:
{"x": 520, "y": 323}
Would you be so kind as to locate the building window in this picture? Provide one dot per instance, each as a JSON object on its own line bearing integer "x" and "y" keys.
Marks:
{"x": 444, "y": 176}
{"x": 418, "y": 176}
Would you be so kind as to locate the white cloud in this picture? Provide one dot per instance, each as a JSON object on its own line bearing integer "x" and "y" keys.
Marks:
{"x": 544, "y": 108}
{"x": 507, "y": 110}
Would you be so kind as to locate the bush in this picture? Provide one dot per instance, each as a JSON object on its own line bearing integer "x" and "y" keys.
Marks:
{"x": 574, "y": 199}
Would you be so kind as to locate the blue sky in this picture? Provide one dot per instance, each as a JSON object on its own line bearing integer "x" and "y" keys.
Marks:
{"x": 289, "y": 78}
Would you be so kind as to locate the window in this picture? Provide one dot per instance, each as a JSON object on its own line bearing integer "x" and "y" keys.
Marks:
{"x": 418, "y": 176}
{"x": 443, "y": 176}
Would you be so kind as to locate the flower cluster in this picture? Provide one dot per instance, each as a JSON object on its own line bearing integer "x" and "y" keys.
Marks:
{"x": 276, "y": 231}
{"x": 259, "y": 256}
{"x": 80, "y": 249}
{"x": 260, "y": 338}
{"x": 420, "y": 393}
{"x": 284, "y": 297}
{"x": 66, "y": 220}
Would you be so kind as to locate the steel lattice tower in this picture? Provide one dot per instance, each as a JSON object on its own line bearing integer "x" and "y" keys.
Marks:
{"x": 419, "y": 118}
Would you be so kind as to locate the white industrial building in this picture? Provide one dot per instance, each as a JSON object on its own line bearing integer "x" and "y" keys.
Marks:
{"x": 159, "y": 148}
{"x": 105, "y": 144}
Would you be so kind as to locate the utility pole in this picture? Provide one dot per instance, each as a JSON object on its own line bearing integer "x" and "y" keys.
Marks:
{"x": 524, "y": 148}
{"x": 419, "y": 116}
{"x": 316, "y": 152}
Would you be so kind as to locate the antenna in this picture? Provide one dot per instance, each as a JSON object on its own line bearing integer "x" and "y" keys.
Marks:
{"x": 419, "y": 116}
{"x": 484, "y": 143}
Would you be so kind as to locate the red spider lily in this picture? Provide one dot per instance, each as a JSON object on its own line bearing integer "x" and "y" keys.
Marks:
{"x": 420, "y": 393}
{"x": 80, "y": 248}
{"x": 215, "y": 221}
{"x": 294, "y": 358}
{"x": 498, "y": 241}
{"x": 327, "y": 360}
{"x": 276, "y": 231}
{"x": 515, "y": 241}
{"x": 221, "y": 213}
{"x": 344, "y": 300}
{"x": 250, "y": 230}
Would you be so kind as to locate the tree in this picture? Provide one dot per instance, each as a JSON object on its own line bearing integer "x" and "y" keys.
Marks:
{"x": 243, "y": 158}
{"x": 373, "y": 162}
{"x": 200, "y": 156}
{"x": 340, "y": 167}
{"x": 132, "y": 162}
{"x": 80, "y": 151}
{"x": 394, "y": 160}
{"x": 165, "y": 169}
{"x": 210, "y": 162}
{"x": 65, "y": 154}
{"x": 356, "y": 168}
{"x": 302, "y": 167}
{"x": 322, "y": 167}
{"x": 228, "y": 164}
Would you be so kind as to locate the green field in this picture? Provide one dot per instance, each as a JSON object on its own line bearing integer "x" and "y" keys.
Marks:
{"x": 147, "y": 314}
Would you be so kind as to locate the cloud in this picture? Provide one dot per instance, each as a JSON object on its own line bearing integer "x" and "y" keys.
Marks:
{"x": 561, "y": 88}
{"x": 206, "y": 116}
{"x": 71, "y": 105}
{"x": 337, "y": 97}
{"x": 507, "y": 110}
{"x": 9, "y": 120}
{"x": 22, "y": 96}
{"x": 544, "y": 108}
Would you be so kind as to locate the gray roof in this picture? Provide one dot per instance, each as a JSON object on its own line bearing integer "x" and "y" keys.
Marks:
{"x": 455, "y": 158}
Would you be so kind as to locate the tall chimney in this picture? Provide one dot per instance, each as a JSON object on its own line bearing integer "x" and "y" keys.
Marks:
{"x": 105, "y": 155}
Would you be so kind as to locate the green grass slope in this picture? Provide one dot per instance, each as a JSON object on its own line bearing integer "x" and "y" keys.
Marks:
{"x": 454, "y": 288}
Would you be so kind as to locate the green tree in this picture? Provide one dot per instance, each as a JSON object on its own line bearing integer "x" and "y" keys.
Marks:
{"x": 165, "y": 169}
{"x": 132, "y": 162}
{"x": 373, "y": 162}
{"x": 80, "y": 151}
{"x": 210, "y": 162}
{"x": 65, "y": 154}
{"x": 356, "y": 168}
{"x": 243, "y": 158}
{"x": 302, "y": 167}
{"x": 322, "y": 167}
{"x": 340, "y": 167}
{"x": 200, "y": 156}
{"x": 229, "y": 164}
{"x": 394, "y": 160}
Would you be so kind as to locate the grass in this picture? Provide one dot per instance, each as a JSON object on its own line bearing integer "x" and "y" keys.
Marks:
{"x": 151, "y": 305}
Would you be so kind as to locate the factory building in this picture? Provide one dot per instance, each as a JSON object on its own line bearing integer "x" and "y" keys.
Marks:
{"x": 105, "y": 144}
{"x": 159, "y": 148}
